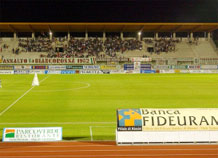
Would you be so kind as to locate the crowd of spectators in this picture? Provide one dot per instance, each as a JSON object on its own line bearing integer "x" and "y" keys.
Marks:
{"x": 35, "y": 45}
{"x": 78, "y": 47}
{"x": 92, "y": 46}
{"x": 116, "y": 44}
{"x": 162, "y": 45}
{"x": 15, "y": 51}
{"x": 4, "y": 46}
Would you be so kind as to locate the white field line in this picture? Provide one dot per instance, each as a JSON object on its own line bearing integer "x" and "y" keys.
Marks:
{"x": 87, "y": 85}
{"x": 119, "y": 155}
{"x": 91, "y": 136}
{"x": 6, "y": 109}
{"x": 54, "y": 123}
{"x": 91, "y": 133}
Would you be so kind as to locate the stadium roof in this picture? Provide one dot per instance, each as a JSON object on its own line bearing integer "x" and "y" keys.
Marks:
{"x": 108, "y": 27}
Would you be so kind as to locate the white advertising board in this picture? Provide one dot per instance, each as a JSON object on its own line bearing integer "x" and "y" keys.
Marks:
{"x": 167, "y": 71}
{"x": 22, "y": 67}
{"x": 90, "y": 72}
{"x": 37, "y": 71}
{"x": 184, "y": 119}
{"x": 184, "y": 71}
{"x": 209, "y": 67}
{"x": 21, "y": 72}
{"x": 196, "y": 71}
{"x": 52, "y": 71}
{"x": 161, "y": 67}
{"x": 91, "y": 67}
{"x": 209, "y": 71}
{"x": 117, "y": 72}
{"x": 42, "y": 134}
{"x": 166, "y": 136}
{"x": 57, "y": 67}
{"x": 214, "y": 71}
{"x": 137, "y": 66}
{"x": 139, "y": 59}
{"x": 167, "y": 125}
{"x": 46, "y": 61}
{"x": 6, "y": 71}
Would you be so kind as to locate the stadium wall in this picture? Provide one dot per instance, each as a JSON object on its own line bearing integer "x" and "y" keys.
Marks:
{"x": 163, "y": 137}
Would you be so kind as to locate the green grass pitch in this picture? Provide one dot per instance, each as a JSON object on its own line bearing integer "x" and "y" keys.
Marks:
{"x": 79, "y": 103}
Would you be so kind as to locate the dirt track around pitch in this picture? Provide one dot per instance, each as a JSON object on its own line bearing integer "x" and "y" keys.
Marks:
{"x": 104, "y": 149}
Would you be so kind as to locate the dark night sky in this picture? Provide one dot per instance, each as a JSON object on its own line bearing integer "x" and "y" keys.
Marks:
{"x": 109, "y": 10}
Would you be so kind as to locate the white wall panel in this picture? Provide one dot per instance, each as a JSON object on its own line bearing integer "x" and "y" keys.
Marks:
{"x": 164, "y": 136}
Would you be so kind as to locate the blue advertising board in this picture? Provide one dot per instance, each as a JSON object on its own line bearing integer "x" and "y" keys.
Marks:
{"x": 68, "y": 71}
{"x": 52, "y": 71}
{"x": 147, "y": 71}
{"x": 21, "y": 71}
{"x": 128, "y": 67}
{"x": 145, "y": 67}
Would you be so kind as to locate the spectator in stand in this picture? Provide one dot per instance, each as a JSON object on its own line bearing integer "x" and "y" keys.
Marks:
{"x": 163, "y": 45}
{"x": 79, "y": 47}
{"x": 35, "y": 45}
{"x": 115, "y": 44}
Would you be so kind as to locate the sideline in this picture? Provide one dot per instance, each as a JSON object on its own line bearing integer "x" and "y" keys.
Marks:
{"x": 86, "y": 85}
{"x": 20, "y": 98}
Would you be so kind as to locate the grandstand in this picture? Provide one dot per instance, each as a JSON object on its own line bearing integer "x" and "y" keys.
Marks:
{"x": 195, "y": 42}
{"x": 84, "y": 106}
{"x": 108, "y": 78}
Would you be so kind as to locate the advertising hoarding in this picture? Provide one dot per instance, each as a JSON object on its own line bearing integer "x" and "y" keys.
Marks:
{"x": 21, "y": 71}
{"x": 42, "y": 134}
{"x": 6, "y": 67}
{"x": 49, "y": 61}
{"x": 68, "y": 71}
{"x": 167, "y": 119}
{"x": 128, "y": 67}
{"x": 57, "y": 67}
{"x": 91, "y": 67}
{"x": 75, "y": 67}
{"x": 6, "y": 71}
{"x": 22, "y": 67}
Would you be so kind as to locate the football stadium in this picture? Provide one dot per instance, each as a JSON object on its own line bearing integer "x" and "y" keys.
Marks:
{"x": 109, "y": 87}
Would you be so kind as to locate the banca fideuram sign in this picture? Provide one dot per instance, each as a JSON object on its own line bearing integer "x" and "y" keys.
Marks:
{"x": 167, "y": 119}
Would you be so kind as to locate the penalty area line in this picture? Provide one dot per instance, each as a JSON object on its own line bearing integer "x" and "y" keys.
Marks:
{"x": 6, "y": 109}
